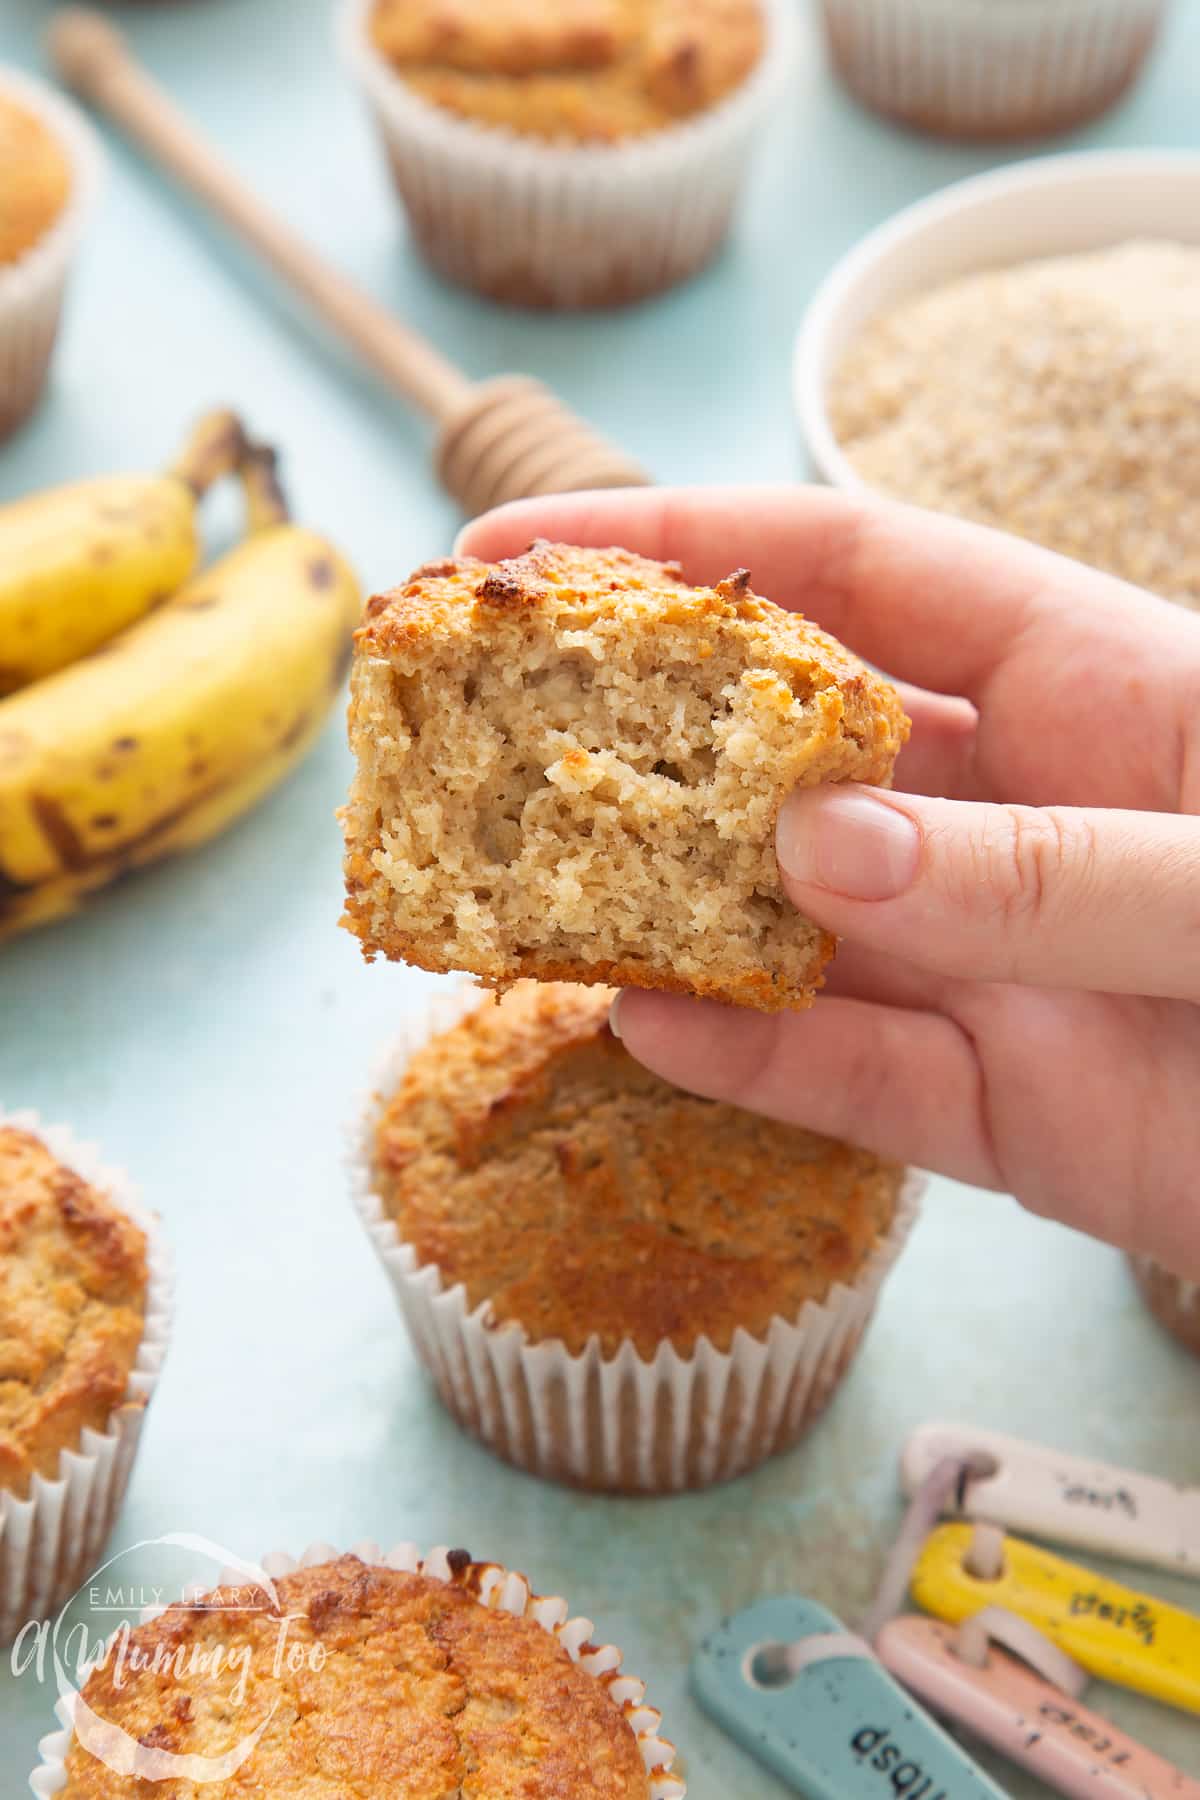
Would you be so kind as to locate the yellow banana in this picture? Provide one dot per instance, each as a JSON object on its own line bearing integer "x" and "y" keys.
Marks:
{"x": 179, "y": 726}
{"x": 80, "y": 563}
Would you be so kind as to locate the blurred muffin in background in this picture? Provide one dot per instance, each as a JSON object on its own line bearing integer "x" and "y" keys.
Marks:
{"x": 47, "y": 163}
{"x": 584, "y": 71}
{"x": 84, "y": 1305}
{"x": 586, "y": 153}
{"x": 1174, "y": 1302}
{"x": 36, "y": 176}
{"x": 990, "y": 68}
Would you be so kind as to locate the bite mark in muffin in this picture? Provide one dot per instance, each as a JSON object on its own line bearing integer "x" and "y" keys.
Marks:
{"x": 570, "y": 766}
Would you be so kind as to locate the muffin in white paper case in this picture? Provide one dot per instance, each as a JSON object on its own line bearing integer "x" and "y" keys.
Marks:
{"x": 562, "y": 225}
{"x": 33, "y": 286}
{"x": 619, "y": 1423}
{"x": 1174, "y": 1302}
{"x": 990, "y": 68}
{"x": 51, "y": 1541}
{"x": 493, "y": 1586}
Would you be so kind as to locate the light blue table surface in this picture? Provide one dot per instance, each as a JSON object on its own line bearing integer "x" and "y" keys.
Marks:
{"x": 212, "y": 1027}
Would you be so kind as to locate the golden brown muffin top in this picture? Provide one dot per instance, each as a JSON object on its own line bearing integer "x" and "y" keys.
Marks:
{"x": 35, "y": 179}
{"x": 529, "y": 1156}
{"x": 579, "y": 587}
{"x": 415, "y": 1689}
{"x": 73, "y": 1281}
{"x": 586, "y": 71}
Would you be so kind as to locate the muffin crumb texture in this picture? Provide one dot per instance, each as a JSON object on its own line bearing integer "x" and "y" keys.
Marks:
{"x": 73, "y": 1281}
{"x": 582, "y": 71}
{"x": 392, "y": 1683}
{"x": 1066, "y": 407}
{"x": 35, "y": 180}
{"x": 529, "y": 1157}
{"x": 569, "y": 766}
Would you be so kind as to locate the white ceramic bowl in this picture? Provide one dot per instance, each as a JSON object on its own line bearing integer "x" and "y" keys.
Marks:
{"x": 1050, "y": 206}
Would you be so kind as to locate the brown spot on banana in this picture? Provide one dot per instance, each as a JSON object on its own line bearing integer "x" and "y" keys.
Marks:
{"x": 59, "y": 832}
{"x": 296, "y": 730}
{"x": 11, "y": 891}
{"x": 130, "y": 847}
{"x": 321, "y": 572}
{"x": 100, "y": 867}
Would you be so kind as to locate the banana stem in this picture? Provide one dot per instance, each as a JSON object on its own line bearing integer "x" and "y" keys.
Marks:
{"x": 215, "y": 448}
{"x": 266, "y": 502}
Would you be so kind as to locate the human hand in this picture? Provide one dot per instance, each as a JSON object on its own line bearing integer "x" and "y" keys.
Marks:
{"x": 1017, "y": 1002}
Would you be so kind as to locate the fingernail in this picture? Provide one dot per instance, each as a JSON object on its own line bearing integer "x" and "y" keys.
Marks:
{"x": 845, "y": 840}
{"x": 614, "y": 1017}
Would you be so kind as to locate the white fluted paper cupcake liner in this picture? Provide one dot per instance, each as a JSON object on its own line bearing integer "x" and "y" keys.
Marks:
{"x": 621, "y": 1424}
{"x": 1174, "y": 1302}
{"x": 990, "y": 68}
{"x": 565, "y": 225}
{"x": 495, "y": 1587}
{"x": 51, "y": 1541}
{"x": 32, "y": 288}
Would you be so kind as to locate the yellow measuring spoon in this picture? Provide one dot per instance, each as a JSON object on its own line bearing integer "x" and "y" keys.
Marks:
{"x": 1116, "y": 1633}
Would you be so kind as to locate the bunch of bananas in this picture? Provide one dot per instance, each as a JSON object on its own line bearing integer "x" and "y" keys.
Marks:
{"x": 145, "y": 706}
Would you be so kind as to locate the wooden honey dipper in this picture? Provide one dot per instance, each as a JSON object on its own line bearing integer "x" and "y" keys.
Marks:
{"x": 497, "y": 440}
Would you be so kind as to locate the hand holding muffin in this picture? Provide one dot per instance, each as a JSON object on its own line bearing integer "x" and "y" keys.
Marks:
{"x": 1016, "y": 1003}
{"x": 570, "y": 766}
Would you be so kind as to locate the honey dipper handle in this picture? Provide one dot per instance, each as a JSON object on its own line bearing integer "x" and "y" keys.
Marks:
{"x": 92, "y": 57}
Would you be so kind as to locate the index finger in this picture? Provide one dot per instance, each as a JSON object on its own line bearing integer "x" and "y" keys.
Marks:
{"x": 927, "y": 598}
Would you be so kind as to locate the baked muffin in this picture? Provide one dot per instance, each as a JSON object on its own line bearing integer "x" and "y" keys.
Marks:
{"x": 81, "y": 1337}
{"x": 585, "y": 153}
{"x": 614, "y": 1282}
{"x": 990, "y": 68}
{"x": 570, "y": 766}
{"x": 46, "y": 172}
{"x": 73, "y": 1280}
{"x": 1174, "y": 1302}
{"x": 588, "y": 71}
{"x": 443, "y": 1677}
{"x": 35, "y": 180}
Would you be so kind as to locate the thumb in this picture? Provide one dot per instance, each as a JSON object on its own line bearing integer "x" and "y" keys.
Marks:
{"x": 1052, "y": 896}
